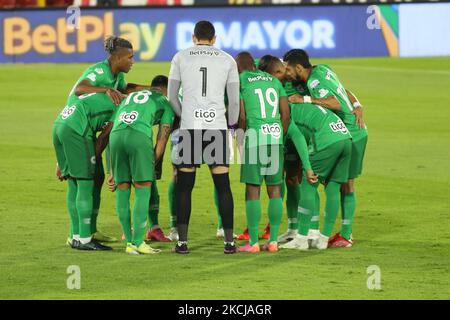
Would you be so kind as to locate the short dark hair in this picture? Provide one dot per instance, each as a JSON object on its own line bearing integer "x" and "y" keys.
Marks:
{"x": 204, "y": 30}
{"x": 297, "y": 56}
{"x": 113, "y": 43}
{"x": 267, "y": 62}
{"x": 160, "y": 81}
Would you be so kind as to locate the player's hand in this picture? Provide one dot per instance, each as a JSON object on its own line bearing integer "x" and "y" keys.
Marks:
{"x": 58, "y": 174}
{"x": 359, "y": 117}
{"x": 296, "y": 98}
{"x": 111, "y": 183}
{"x": 116, "y": 96}
{"x": 311, "y": 177}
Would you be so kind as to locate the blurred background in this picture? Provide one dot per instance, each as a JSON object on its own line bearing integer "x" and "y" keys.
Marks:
{"x": 73, "y": 31}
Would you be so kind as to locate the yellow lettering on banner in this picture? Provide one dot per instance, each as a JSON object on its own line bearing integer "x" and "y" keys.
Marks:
{"x": 16, "y": 29}
{"x": 130, "y": 31}
{"x": 108, "y": 19}
{"x": 152, "y": 39}
{"x": 63, "y": 32}
{"x": 91, "y": 28}
{"x": 44, "y": 39}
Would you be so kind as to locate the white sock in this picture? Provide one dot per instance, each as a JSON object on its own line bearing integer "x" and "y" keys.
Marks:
{"x": 76, "y": 237}
{"x": 85, "y": 240}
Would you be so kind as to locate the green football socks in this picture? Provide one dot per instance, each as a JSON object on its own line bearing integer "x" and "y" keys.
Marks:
{"x": 253, "y": 212}
{"x": 72, "y": 208}
{"x": 153, "y": 212}
{"x": 123, "y": 211}
{"x": 332, "y": 191}
{"x": 140, "y": 211}
{"x": 348, "y": 205}
{"x": 292, "y": 200}
{"x": 84, "y": 207}
{"x": 275, "y": 212}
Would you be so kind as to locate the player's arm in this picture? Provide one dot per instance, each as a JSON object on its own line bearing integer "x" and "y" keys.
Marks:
{"x": 329, "y": 102}
{"x": 174, "y": 85}
{"x": 299, "y": 141}
{"x": 133, "y": 87}
{"x": 161, "y": 142}
{"x": 85, "y": 86}
{"x": 242, "y": 118}
{"x": 357, "y": 108}
{"x": 102, "y": 140}
{"x": 165, "y": 128}
{"x": 233, "y": 94}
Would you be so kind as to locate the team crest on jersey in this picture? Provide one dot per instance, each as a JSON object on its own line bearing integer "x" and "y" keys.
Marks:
{"x": 273, "y": 129}
{"x": 128, "y": 118}
{"x": 314, "y": 83}
{"x": 99, "y": 70}
{"x": 92, "y": 76}
{"x": 67, "y": 112}
{"x": 338, "y": 126}
{"x": 323, "y": 92}
{"x": 208, "y": 116}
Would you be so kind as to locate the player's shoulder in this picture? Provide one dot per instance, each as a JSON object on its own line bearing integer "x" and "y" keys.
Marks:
{"x": 100, "y": 67}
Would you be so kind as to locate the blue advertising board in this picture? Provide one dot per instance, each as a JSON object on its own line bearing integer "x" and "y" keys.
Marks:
{"x": 158, "y": 33}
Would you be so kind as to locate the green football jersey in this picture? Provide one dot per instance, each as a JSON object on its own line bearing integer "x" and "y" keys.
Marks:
{"x": 261, "y": 94}
{"x": 299, "y": 88}
{"x": 100, "y": 75}
{"x": 323, "y": 83}
{"x": 142, "y": 110}
{"x": 320, "y": 127}
{"x": 88, "y": 113}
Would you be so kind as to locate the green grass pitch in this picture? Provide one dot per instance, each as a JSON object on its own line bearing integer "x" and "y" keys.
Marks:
{"x": 402, "y": 220}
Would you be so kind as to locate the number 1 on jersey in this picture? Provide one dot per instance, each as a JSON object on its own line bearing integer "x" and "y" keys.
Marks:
{"x": 204, "y": 72}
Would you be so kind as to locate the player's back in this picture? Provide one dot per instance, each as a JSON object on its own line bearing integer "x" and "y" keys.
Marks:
{"x": 140, "y": 111}
{"x": 204, "y": 72}
{"x": 87, "y": 113}
{"x": 321, "y": 127}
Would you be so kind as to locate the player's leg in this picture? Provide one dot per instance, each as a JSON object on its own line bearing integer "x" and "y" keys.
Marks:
{"x": 155, "y": 232}
{"x": 122, "y": 177}
{"x": 221, "y": 180}
{"x": 253, "y": 214}
{"x": 72, "y": 208}
{"x": 71, "y": 187}
{"x": 314, "y": 231}
{"x": 338, "y": 175}
{"x": 140, "y": 150}
{"x": 275, "y": 211}
{"x": 348, "y": 206}
{"x": 186, "y": 171}
{"x": 348, "y": 196}
{"x": 80, "y": 160}
{"x": 172, "y": 194}
{"x": 99, "y": 178}
{"x": 273, "y": 174}
{"x": 218, "y": 162}
{"x": 305, "y": 209}
{"x": 185, "y": 185}
{"x": 293, "y": 176}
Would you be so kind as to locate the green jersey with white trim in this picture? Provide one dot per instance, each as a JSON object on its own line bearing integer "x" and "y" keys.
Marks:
{"x": 88, "y": 113}
{"x": 261, "y": 94}
{"x": 320, "y": 127}
{"x": 100, "y": 75}
{"x": 142, "y": 110}
{"x": 323, "y": 83}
